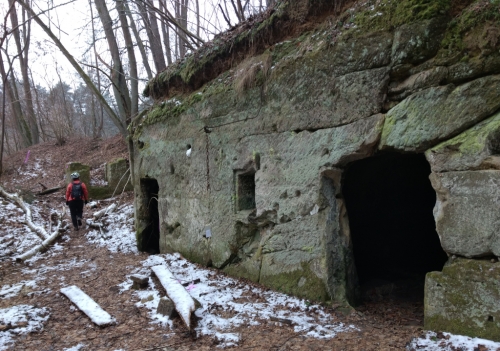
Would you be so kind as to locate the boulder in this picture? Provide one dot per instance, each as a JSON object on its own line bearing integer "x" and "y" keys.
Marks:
{"x": 117, "y": 173}
{"x": 81, "y": 168}
{"x": 464, "y": 299}
{"x": 466, "y": 212}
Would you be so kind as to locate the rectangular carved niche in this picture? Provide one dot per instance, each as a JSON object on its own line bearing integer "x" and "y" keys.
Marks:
{"x": 245, "y": 191}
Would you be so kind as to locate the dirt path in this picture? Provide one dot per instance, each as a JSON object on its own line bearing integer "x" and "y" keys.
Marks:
{"x": 381, "y": 326}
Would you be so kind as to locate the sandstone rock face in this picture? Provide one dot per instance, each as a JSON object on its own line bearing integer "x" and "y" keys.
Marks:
{"x": 466, "y": 212}
{"x": 117, "y": 173}
{"x": 476, "y": 148}
{"x": 259, "y": 194}
{"x": 83, "y": 170}
{"x": 463, "y": 299}
{"x": 438, "y": 113}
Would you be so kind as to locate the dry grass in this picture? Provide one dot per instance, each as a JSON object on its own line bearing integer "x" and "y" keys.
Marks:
{"x": 247, "y": 73}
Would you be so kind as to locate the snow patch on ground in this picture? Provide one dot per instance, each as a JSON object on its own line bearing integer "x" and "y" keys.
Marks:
{"x": 24, "y": 319}
{"x": 76, "y": 348}
{"x": 120, "y": 236}
{"x": 225, "y": 303}
{"x": 19, "y": 237}
{"x": 432, "y": 341}
{"x": 9, "y": 291}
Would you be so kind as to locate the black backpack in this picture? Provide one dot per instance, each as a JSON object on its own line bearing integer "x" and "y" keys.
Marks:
{"x": 76, "y": 191}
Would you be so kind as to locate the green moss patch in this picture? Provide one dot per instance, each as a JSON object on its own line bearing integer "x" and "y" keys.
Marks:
{"x": 100, "y": 192}
{"x": 389, "y": 14}
{"x": 463, "y": 299}
{"x": 302, "y": 283}
{"x": 469, "y": 31}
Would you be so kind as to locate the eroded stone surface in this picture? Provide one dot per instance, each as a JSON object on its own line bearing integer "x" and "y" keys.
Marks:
{"x": 476, "y": 148}
{"x": 435, "y": 114}
{"x": 294, "y": 129}
{"x": 463, "y": 299}
{"x": 466, "y": 212}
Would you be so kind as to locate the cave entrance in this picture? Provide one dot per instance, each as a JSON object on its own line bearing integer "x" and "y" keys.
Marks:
{"x": 151, "y": 234}
{"x": 389, "y": 201}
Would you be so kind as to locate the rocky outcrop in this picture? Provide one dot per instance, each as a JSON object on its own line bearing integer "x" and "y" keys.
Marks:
{"x": 249, "y": 161}
{"x": 466, "y": 212}
{"x": 463, "y": 299}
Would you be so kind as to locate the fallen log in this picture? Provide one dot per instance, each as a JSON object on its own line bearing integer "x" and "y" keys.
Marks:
{"x": 49, "y": 191}
{"x": 40, "y": 231}
{"x": 104, "y": 211}
{"x": 96, "y": 225}
{"x": 102, "y": 228}
{"x": 88, "y": 306}
{"x": 184, "y": 303}
{"x": 44, "y": 245}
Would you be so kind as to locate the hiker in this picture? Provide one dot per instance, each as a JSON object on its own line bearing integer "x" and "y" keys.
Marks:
{"x": 76, "y": 196}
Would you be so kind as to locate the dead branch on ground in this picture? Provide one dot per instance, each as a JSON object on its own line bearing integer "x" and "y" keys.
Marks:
{"x": 40, "y": 231}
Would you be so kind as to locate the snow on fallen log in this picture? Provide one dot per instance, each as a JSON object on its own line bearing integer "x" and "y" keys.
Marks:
{"x": 184, "y": 303}
{"x": 43, "y": 246}
{"x": 104, "y": 211}
{"x": 88, "y": 306}
{"x": 40, "y": 231}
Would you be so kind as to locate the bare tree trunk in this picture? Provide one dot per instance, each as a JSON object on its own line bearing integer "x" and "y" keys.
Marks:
{"x": 22, "y": 53}
{"x": 166, "y": 35}
{"x": 150, "y": 24}
{"x": 183, "y": 22}
{"x": 197, "y": 2}
{"x": 156, "y": 48}
{"x": 134, "y": 82}
{"x": 96, "y": 125}
{"x": 41, "y": 115}
{"x": 120, "y": 88}
{"x": 120, "y": 122}
{"x": 16, "y": 108}
{"x": 138, "y": 40}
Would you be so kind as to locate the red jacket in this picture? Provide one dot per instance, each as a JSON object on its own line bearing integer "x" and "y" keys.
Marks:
{"x": 70, "y": 187}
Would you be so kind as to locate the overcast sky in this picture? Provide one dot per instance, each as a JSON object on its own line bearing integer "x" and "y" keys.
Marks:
{"x": 70, "y": 21}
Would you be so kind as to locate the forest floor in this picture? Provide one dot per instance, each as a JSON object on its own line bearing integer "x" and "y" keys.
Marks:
{"x": 234, "y": 314}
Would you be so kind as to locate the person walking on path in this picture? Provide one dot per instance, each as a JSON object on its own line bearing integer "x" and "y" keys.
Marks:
{"x": 76, "y": 196}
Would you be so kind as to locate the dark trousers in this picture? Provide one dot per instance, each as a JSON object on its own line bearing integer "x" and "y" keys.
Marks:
{"x": 76, "y": 210}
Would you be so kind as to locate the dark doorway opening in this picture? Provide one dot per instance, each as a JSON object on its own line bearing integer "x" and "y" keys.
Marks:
{"x": 389, "y": 200}
{"x": 151, "y": 234}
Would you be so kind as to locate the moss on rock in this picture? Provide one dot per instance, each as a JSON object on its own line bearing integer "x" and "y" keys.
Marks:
{"x": 301, "y": 282}
{"x": 469, "y": 30}
{"x": 389, "y": 14}
{"x": 463, "y": 299}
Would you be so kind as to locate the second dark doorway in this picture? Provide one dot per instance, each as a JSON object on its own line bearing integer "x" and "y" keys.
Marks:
{"x": 389, "y": 200}
{"x": 151, "y": 234}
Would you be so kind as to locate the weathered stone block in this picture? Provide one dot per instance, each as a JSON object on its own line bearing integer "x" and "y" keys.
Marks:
{"x": 139, "y": 281}
{"x": 476, "y": 148}
{"x": 166, "y": 307}
{"x": 117, "y": 173}
{"x": 466, "y": 212}
{"x": 433, "y": 115}
{"x": 418, "y": 41}
{"x": 84, "y": 171}
{"x": 464, "y": 299}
